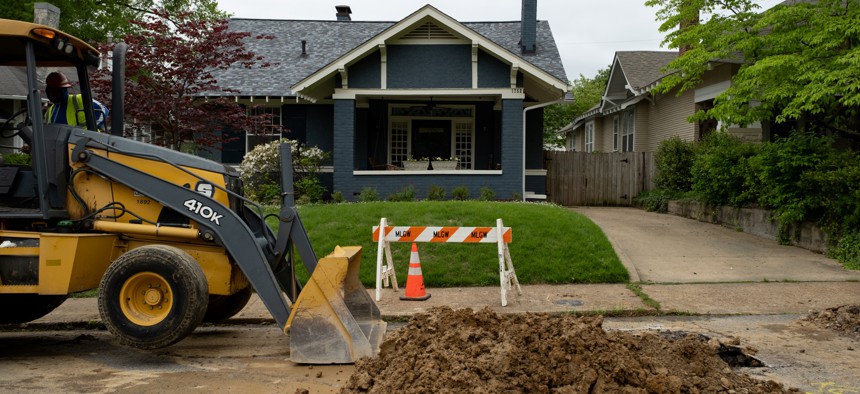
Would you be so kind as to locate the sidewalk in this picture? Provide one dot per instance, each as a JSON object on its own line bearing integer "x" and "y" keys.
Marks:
{"x": 684, "y": 265}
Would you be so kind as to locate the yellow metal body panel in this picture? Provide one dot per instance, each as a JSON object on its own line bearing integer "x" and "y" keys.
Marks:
{"x": 74, "y": 262}
{"x": 97, "y": 192}
{"x": 67, "y": 262}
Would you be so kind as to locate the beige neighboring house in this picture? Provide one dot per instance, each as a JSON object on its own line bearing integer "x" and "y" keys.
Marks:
{"x": 632, "y": 117}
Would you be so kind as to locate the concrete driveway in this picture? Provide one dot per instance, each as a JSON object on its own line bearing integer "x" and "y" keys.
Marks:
{"x": 664, "y": 248}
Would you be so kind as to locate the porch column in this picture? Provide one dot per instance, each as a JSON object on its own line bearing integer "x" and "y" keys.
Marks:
{"x": 512, "y": 149}
{"x": 343, "y": 152}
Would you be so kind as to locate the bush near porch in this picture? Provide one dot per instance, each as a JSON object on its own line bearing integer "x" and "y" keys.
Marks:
{"x": 551, "y": 244}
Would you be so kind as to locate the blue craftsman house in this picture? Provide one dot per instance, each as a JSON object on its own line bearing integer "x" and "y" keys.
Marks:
{"x": 379, "y": 95}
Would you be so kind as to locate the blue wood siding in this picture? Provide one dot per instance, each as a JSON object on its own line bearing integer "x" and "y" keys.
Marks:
{"x": 387, "y": 185}
{"x": 512, "y": 145}
{"x": 320, "y": 126}
{"x": 365, "y": 74}
{"x": 344, "y": 142}
{"x": 492, "y": 72}
{"x": 429, "y": 66}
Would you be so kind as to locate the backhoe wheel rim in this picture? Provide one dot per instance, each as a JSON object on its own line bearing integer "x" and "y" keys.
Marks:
{"x": 146, "y": 299}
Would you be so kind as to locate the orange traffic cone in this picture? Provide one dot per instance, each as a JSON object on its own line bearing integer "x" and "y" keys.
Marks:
{"x": 415, "y": 280}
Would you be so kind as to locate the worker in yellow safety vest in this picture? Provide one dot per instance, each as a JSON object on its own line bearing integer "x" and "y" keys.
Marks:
{"x": 69, "y": 108}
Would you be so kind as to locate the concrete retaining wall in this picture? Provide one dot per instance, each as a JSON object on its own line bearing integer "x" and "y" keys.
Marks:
{"x": 750, "y": 220}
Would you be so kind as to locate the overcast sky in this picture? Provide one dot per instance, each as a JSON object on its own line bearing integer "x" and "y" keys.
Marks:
{"x": 587, "y": 32}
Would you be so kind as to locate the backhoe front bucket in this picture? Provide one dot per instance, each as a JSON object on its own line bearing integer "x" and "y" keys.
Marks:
{"x": 334, "y": 320}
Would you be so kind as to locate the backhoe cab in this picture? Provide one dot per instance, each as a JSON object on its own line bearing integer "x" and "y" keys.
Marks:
{"x": 166, "y": 237}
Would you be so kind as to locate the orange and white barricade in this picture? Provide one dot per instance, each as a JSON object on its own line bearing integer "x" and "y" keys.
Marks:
{"x": 501, "y": 235}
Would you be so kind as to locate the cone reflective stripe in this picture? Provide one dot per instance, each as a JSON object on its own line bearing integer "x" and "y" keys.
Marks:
{"x": 415, "y": 281}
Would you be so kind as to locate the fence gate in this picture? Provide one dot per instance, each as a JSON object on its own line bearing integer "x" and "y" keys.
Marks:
{"x": 583, "y": 179}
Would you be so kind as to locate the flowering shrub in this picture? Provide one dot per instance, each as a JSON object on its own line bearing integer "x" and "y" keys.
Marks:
{"x": 261, "y": 171}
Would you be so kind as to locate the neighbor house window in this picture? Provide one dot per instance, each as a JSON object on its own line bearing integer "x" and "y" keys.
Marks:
{"x": 616, "y": 128}
{"x": 141, "y": 132}
{"x": 266, "y": 132}
{"x": 589, "y": 137}
{"x": 627, "y": 129}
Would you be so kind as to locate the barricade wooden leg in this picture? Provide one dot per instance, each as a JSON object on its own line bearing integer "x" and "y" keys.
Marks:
{"x": 512, "y": 273}
{"x": 384, "y": 271}
{"x": 507, "y": 275}
{"x": 380, "y": 246}
{"x": 388, "y": 269}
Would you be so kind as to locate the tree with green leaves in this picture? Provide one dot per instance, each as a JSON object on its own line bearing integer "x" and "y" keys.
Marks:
{"x": 797, "y": 62}
{"x": 170, "y": 91}
{"x": 587, "y": 93}
{"x": 94, "y": 20}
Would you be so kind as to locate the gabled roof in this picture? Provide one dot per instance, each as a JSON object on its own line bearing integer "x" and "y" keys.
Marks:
{"x": 330, "y": 41}
{"x": 643, "y": 68}
{"x": 633, "y": 75}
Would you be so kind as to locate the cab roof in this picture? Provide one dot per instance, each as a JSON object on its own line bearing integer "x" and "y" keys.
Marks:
{"x": 51, "y": 45}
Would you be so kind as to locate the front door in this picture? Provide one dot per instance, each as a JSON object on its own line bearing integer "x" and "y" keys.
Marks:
{"x": 431, "y": 138}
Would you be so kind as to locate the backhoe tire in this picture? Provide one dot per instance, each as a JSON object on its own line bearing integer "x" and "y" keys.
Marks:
{"x": 223, "y": 307}
{"x": 153, "y": 296}
{"x": 22, "y": 308}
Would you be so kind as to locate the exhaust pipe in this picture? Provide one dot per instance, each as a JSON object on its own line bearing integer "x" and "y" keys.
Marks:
{"x": 118, "y": 90}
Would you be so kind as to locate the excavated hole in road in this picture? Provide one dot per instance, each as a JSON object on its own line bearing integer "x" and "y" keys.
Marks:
{"x": 733, "y": 355}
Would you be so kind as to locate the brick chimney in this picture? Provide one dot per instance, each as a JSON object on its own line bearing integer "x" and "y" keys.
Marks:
{"x": 46, "y": 14}
{"x": 528, "y": 27}
{"x": 343, "y": 12}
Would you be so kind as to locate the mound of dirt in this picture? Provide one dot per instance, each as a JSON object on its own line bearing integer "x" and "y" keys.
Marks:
{"x": 447, "y": 350}
{"x": 843, "y": 319}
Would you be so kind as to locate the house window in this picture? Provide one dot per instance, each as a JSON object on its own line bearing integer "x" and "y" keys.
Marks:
{"x": 399, "y": 137}
{"x": 464, "y": 137}
{"x": 142, "y": 132}
{"x": 589, "y": 137}
{"x": 432, "y": 131}
{"x": 616, "y": 127}
{"x": 262, "y": 133}
{"x": 627, "y": 129}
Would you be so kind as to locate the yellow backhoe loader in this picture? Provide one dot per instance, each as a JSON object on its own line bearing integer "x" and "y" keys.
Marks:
{"x": 166, "y": 237}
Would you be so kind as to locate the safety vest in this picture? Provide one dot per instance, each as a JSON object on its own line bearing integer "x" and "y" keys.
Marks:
{"x": 74, "y": 112}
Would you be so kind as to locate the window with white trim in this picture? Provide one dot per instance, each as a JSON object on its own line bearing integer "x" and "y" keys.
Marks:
{"x": 462, "y": 142}
{"x": 628, "y": 126}
{"x": 398, "y": 134}
{"x": 616, "y": 128}
{"x": 464, "y": 137}
{"x": 589, "y": 137}
{"x": 142, "y": 132}
{"x": 263, "y": 133}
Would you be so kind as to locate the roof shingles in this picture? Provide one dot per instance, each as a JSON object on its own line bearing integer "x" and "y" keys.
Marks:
{"x": 328, "y": 40}
{"x": 642, "y": 68}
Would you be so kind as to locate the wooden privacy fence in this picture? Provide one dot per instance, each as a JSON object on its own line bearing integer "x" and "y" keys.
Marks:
{"x": 579, "y": 178}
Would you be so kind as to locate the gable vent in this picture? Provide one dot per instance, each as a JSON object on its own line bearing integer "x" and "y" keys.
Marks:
{"x": 429, "y": 31}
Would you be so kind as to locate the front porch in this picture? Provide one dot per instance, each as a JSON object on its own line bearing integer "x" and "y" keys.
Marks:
{"x": 376, "y": 138}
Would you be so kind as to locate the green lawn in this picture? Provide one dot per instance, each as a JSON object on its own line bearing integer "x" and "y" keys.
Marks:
{"x": 550, "y": 244}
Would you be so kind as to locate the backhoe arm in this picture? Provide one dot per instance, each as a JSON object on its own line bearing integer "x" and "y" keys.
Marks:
{"x": 222, "y": 225}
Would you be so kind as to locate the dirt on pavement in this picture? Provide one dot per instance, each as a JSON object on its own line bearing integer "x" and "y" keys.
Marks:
{"x": 843, "y": 319}
{"x": 447, "y": 350}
